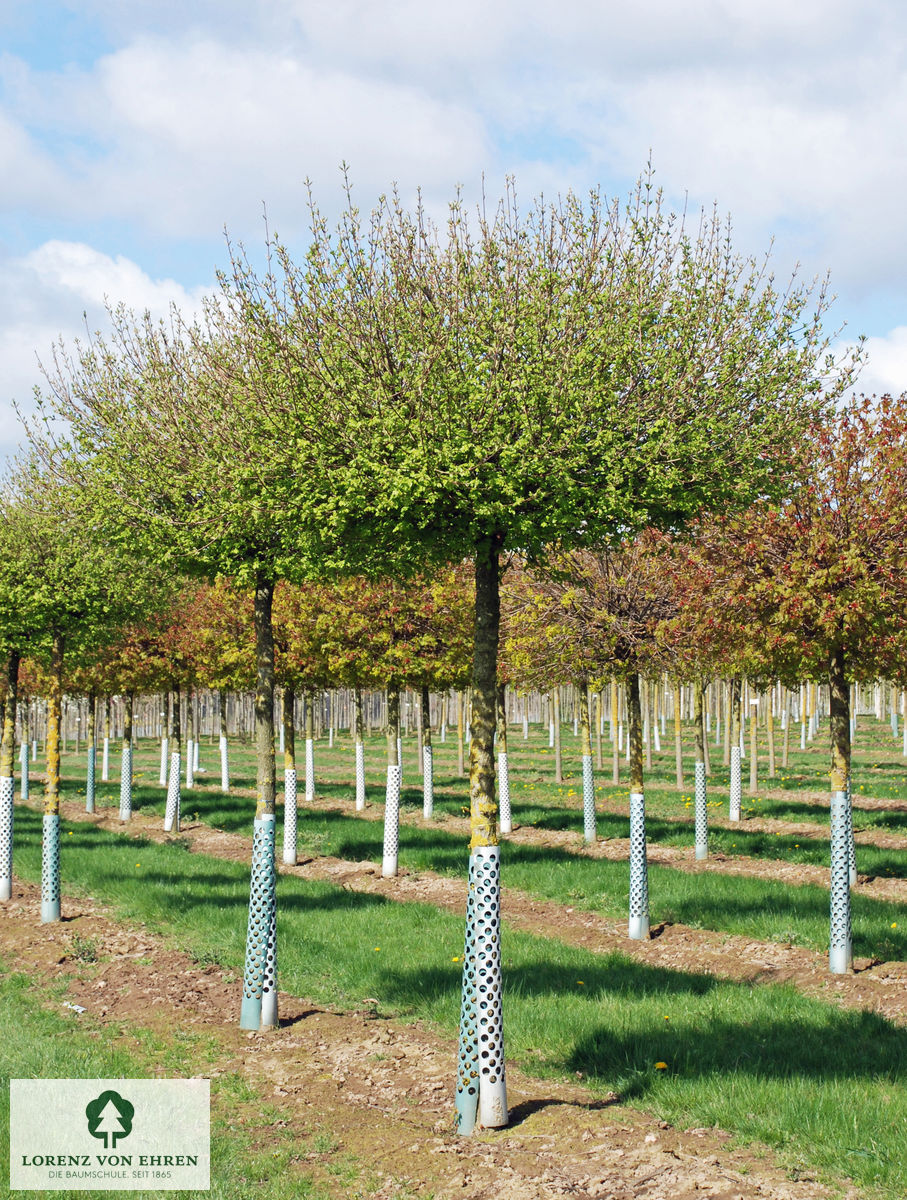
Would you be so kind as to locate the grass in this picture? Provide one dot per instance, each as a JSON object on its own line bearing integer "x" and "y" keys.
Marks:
{"x": 246, "y": 1151}
{"x": 822, "y": 1085}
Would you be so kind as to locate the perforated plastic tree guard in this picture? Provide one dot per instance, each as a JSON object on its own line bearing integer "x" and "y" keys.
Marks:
{"x": 309, "y": 769}
{"x": 360, "y": 776}
{"x": 701, "y": 811}
{"x": 506, "y": 821}
{"x": 638, "y": 927}
{"x": 261, "y": 933}
{"x": 734, "y": 808}
{"x": 851, "y": 845}
{"x": 289, "y": 815}
{"x": 588, "y": 800}
{"x": 224, "y": 765}
{"x": 481, "y": 1078}
{"x": 7, "y": 790}
{"x": 50, "y": 868}
{"x": 190, "y": 764}
{"x": 89, "y": 780}
{"x": 428, "y": 783}
{"x": 23, "y": 769}
{"x": 126, "y": 783}
{"x": 163, "y": 778}
{"x": 105, "y": 761}
{"x": 172, "y": 811}
{"x": 391, "y": 822}
{"x": 840, "y": 953}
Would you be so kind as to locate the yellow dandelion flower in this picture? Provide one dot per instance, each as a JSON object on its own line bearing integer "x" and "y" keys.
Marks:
{"x": 661, "y": 1066}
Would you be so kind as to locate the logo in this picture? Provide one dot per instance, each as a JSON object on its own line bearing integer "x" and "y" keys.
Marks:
{"x": 110, "y": 1118}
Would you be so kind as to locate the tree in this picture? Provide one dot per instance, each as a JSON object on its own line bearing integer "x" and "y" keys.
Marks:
{"x": 512, "y": 382}
{"x": 816, "y": 585}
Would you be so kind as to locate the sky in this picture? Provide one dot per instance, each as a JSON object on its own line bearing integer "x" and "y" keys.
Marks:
{"x": 134, "y": 133}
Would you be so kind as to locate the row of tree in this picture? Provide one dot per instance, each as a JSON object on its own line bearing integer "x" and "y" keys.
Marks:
{"x": 511, "y": 383}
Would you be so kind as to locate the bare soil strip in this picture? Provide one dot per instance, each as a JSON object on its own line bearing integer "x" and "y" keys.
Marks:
{"x": 874, "y": 986}
{"x": 382, "y": 1090}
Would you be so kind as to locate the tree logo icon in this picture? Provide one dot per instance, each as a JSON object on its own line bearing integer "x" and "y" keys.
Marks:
{"x": 110, "y": 1118}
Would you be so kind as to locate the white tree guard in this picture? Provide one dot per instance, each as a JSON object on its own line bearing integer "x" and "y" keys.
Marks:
{"x": 701, "y": 812}
{"x": 289, "y": 815}
{"x": 400, "y": 753}
{"x": 588, "y": 800}
{"x": 282, "y": 744}
{"x": 190, "y": 764}
{"x": 734, "y": 804}
{"x": 657, "y": 739}
{"x": 309, "y": 769}
{"x": 126, "y": 783}
{"x": 7, "y": 791}
{"x": 576, "y": 727}
{"x": 105, "y": 761}
{"x": 428, "y": 783}
{"x": 638, "y": 925}
{"x": 490, "y": 1013}
{"x": 550, "y": 735}
{"x": 331, "y": 737}
{"x": 802, "y": 735}
{"x": 840, "y": 952}
{"x": 23, "y": 769}
{"x": 172, "y": 812}
{"x": 851, "y": 844}
{"x": 163, "y": 779}
{"x": 506, "y": 822}
{"x": 360, "y": 776}
{"x": 224, "y": 765}
{"x": 34, "y": 749}
{"x": 525, "y": 729}
{"x": 391, "y": 822}
{"x": 50, "y": 868}
{"x": 90, "y": 779}
{"x": 197, "y": 750}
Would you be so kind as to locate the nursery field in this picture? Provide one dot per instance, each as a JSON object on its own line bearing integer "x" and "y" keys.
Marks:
{"x": 717, "y": 1059}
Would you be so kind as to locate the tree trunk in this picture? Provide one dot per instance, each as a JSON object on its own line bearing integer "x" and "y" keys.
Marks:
{"x": 734, "y": 726}
{"x": 360, "y": 750}
{"x": 589, "y": 830}
{"x": 126, "y": 759}
{"x": 105, "y": 754}
{"x": 481, "y": 1086}
{"x": 599, "y": 716}
{"x": 50, "y": 848}
{"x": 615, "y": 739}
{"x": 638, "y": 928}
{"x": 288, "y": 722}
{"x": 224, "y": 754}
{"x": 392, "y": 793}
{"x": 700, "y": 798}
{"x": 840, "y": 941}
{"x": 558, "y": 761}
{"x": 678, "y": 737}
{"x": 7, "y": 775}
{"x": 506, "y": 817}
{"x": 461, "y": 757}
{"x": 754, "y": 749}
{"x": 172, "y": 812}
{"x": 190, "y": 740}
{"x": 428, "y": 778}
{"x": 91, "y": 751}
{"x": 770, "y": 734}
{"x": 259, "y": 1005}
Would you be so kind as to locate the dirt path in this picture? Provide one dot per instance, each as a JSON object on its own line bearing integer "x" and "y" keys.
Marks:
{"x": 382, "y": 1091}
{"x": 877, "y": 987}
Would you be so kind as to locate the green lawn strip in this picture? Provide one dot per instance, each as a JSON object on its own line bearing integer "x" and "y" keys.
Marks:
{"x": 822, "y": 1085}
{"x": 248, "y": 1148}
{"x": 751, "y": 906}
{"x": 668, "y": 824}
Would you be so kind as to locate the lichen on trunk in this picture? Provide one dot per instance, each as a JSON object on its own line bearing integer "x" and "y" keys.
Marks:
{"x": 483, "y": 814}
{"x": 8, "y": 745}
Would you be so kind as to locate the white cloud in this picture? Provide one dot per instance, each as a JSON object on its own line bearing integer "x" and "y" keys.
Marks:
{"x": 57, "y": 292}
{"x": 886, "y": 364}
